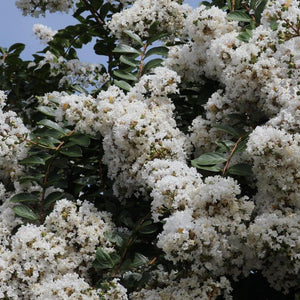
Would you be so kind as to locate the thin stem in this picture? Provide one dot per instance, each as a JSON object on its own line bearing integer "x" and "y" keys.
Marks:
{"x": 142, "y": 61}
{"x": 94, "y": 13}
{"x": 231, "y": 154}
{"x": 130, "y": 241}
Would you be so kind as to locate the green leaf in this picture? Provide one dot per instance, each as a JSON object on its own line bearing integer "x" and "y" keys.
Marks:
{"x": 152, "y": 64}
{"x": 24, "y": 197}
{"x": 245, "y": 36}
{"x": 134, "y": 36}
{"x": 122, "y": 48}
{"x": 123, "y": 85}
{"x": 274, "y": 25}
{"x": 114, "y": 238}
{"x": 53, "y": 197}
{"x": 228, "y": 129}
{"x": 103, "y": 260}
{"x": 48, "y": 111}
{"x": 29, "y": 178}
{"x": 32, "y": 160}
{"x": 129, "y": 61}
{"x": 139, "y": 260}
{"x": 259, "y": 9}
{"x": 52, "y": 125}
{"x": 72, "y": 151}
{"x": 124, "y": 75}
{"x": 156, "y": 37}
{"x": 80, "y": 139}
{"x": 163, "y": 51}
{"x": 239, "y": 16}
{"x": 209, "y": 168}
{"x": 148, "y": 228}
{"x": 240, "y": 169}
{"x": 16, "y": 48}
{"x": 207, "y": 159}
{"x": 25, "y": 212}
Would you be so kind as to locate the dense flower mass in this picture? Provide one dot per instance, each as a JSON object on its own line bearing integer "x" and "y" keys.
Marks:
{"x": 127, "y": 148}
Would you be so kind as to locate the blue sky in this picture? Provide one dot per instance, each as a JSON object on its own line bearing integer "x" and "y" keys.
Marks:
{"x": 16, "y": 28}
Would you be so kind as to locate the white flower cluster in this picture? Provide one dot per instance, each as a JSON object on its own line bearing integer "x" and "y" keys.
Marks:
{"x": 168, "y": 14}
{"x": 12, "y": 145}
{"x": 261, "y": 82}
{"x": 52, "y": 261}
{"x": 35, "y": 8}
{"x": 43, "y": 33}
{"x": 73, "y": 72}
{"x": 139, "y": 127}
{"x": 78, "y": 110}
{"x": 187, "y": 288}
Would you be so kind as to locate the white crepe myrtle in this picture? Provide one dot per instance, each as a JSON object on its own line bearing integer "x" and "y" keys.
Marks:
{"x": 116, "y": 209}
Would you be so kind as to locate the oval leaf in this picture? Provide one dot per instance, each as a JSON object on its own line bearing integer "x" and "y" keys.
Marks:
{"x": 207, "y": 159}
{"x": 48, "y": 111}
{"x": 152, "y": 64}
{"x": 163, "y": 51}
{"x": 32, "y": 160}
{"x": 53, "y": 197}
{"x": 129, "y": 61}
{"x": 240, "y": 169}
{"x": 25, "y": 212}
{"x": 80, "y": 139}
{"x": 103, "y": 260}
{"x": 122, "y": 48}
{"x": 124, "y": 75}
{"x": 51, "y": 124}
{"x": 24, "y": 197}
{"x": 239, "y": 16}
{"x": 123, "y": 85}
{"x": 72, "y": 151}
{"x": 134, "y": 36}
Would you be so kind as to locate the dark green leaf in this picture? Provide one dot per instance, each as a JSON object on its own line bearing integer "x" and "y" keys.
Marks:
{"x": 53, "y": 197}
{"x": 228, "y": 129}
{"x": 24, "y": 197}
{"x": 129, "y": 61}
{"x": 32, "y": 160}
{"x": 148, "y": 229}
{"x": 139, "y": 260}
{"x": 156, "y": 37}
{"x": 103, "y": 260}
{"x": 240, "y": 169}
{"x": 209, "y": 168}
{"x": 239, "y": 16}
{"x": 123, "y": 85}
{"x": 152, "y": 64}
{"x": 259, "y": 9}
{"x": 46, "y": 110}
{"x": 125, "y": 75}
{"x": 134, "y": 36}
{"x": 122, "y": 48}
{"x": 80, "y": 139}
{"x": 25, "y": 212}
{"x": 16, "y": 48}
{"x": 208, "y": 159}
{"x": 245, "y": 36}
{"x": 72, "y": 151}
{"x": 163, "y": 51}
{"x": 52, "y": 125}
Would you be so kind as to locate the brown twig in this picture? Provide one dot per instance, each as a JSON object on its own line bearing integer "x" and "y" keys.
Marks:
{"x": 231, "y": 154}
{"x": 94, "y": 13}
{"x": 142, "y": 61}
{"x": 130, "y": 241}
{"x": 232, "y": 5}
